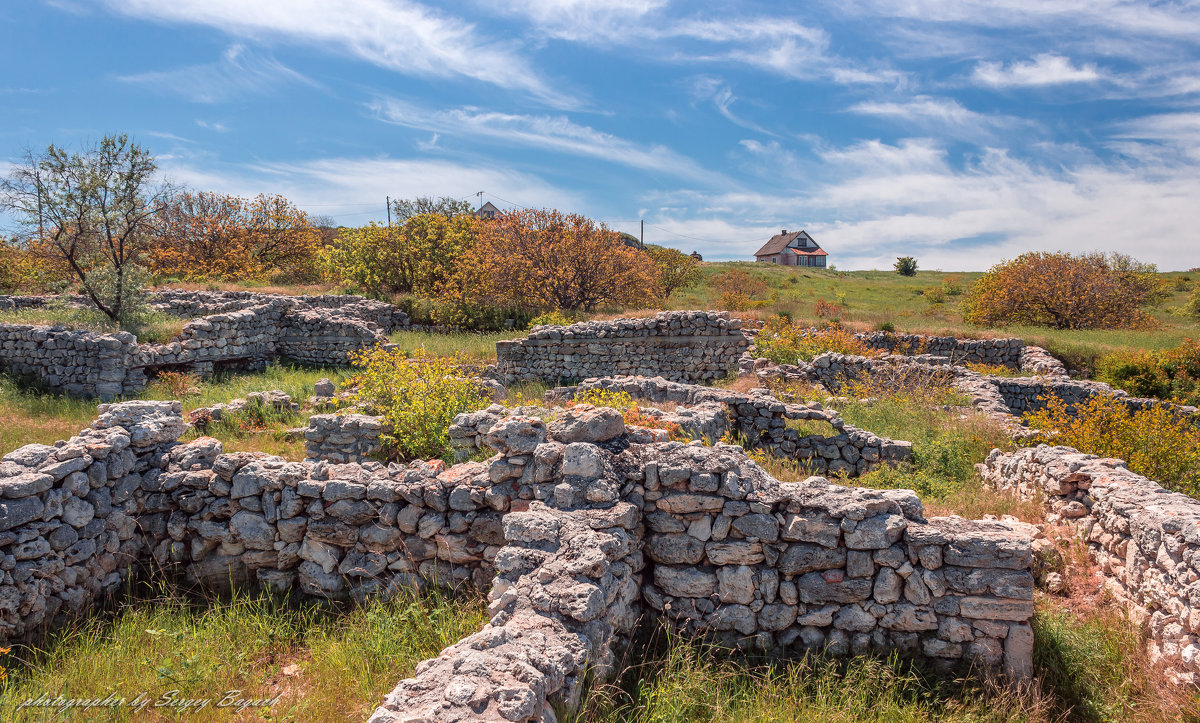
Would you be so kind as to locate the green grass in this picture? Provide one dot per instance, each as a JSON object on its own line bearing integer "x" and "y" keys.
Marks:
{"x": 153, "y": 326}
{"x": 873, "y": 298}
{"x": 345, "y": 658}
{"x": 1088, "y": 669}
{"x": 477, "y": 347}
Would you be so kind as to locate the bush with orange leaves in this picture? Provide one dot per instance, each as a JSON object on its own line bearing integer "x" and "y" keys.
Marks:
{"x": 740, "y": 290}
{"x": 26, "y": 268}
{"x": 203, "y": 236}
{"x": 545, "y": 259}
{"x": 1064, "y": 291}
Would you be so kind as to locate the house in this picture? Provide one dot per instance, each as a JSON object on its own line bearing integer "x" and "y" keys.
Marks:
{"x": 792, "y": 249}
{"x": 487, "y": 210}
{"x": 696, "y": 255}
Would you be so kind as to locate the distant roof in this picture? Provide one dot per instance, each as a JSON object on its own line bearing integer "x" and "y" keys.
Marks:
{"x": 780, "y": 241}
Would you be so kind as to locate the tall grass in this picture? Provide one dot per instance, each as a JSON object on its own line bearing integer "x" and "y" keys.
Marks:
{"x": 322, "y": 662}
{"x": 476, "y": 347}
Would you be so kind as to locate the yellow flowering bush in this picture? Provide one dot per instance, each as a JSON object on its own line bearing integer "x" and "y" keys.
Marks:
{"x": 1154, "y": 442}
{"x": 418, "y": 398}
{"x": 783, "y": 342}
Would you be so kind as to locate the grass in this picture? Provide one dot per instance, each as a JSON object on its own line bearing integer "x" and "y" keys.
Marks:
{"x": 874, "y": 298}
{"x": 36, "y": 416}
{"x": 322, "y": 662}
{"x": 478, "y": 347}
{"x": 154, "y": 327}
{"x": 1088, "y": 669}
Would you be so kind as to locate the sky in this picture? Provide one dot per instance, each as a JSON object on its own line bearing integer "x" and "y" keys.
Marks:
{"x": 959, "y": 132}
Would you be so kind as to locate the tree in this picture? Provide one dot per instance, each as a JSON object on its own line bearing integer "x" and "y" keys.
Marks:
{"x": 418, "y": 257}
{"x": 210, "y": 235}
{"x": 94, "y": 210}
{"x": 404, "y": 208}
{"x": 675, "y": 268}
{"x": 1060, "y": 290}
{"x": 544, "y": 259}
{"x": 906, "y": 266}
{"x": 739, "y": 290}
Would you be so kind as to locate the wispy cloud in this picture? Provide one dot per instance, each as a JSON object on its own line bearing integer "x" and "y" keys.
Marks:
{"x": 705, "y": 88}
{"x": 553, "y": 133}
{"x": 1045, "y": 69}
{"x": 212, "y": 125}
{"x": 943, "y": 117}
{"x": 239, "y": 71}
{"x": 399, "y": 35}
{"x": 352, "y": 190}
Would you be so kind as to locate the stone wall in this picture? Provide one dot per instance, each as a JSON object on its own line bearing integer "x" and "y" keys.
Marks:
{"x": 342, "y": 437}
{"x": 816, "y": 566}
{"x": 761, "y": 421}
{"x": 1144, "y": 539}
{"x": 231, "y": 329}
{"x": 77, "y": 362}
{"x": 692, "y": 346}
{"x": 1004, "y": 352}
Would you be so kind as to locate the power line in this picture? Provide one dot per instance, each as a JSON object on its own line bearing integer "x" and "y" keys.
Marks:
{"x": 702, "y": 240}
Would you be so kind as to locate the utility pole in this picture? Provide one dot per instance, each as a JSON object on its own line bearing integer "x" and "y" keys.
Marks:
{"x": 642, "y": 237}
{"x": 480, "y": 194}
{"x": 388, "y": 201}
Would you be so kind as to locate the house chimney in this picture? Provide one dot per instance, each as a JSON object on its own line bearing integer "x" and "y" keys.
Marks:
{"x": 783, "y": 232}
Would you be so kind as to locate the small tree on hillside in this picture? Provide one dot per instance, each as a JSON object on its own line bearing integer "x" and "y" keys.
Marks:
{"x": 676, "y": 269}
{"x": 545, "y": 259}
{"x": 95, "y": 211}
{"x": 906, "y": 266}
{"x": 1060, "y": 290}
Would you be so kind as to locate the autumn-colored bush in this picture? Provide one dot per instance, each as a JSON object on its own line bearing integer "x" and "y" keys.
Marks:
{"x": 1064, "y": 291}
{"x": 1193, "y": 306}
{"x": 1155, "y": 442}
{"x": 204, "y": 236}
{"x": 420, "y": 256}
{"x": 1167, "y": 374}
{"x": 739, "y": 290}
{"x": 826, "y": 310}
{"x": 26, "y": 269}
{"x": 417, "y": 397}
{"x": 544, "y": 259}
{"x": 786, "y": 343}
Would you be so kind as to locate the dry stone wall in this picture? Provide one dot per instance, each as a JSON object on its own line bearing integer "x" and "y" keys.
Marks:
{"x": 1004, "y": 352}
{"x": 556, "y": 523}
{"x": 692, "y": 346}
{"x": 1144, "y": 539}
{"x": 232, "y": 329}
{"x": 76, "y": 362}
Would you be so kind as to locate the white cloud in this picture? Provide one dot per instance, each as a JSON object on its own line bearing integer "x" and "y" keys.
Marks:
{"x": 713, "y": 90}
{"x": 239, "y": 71}
{"x": 874, "y": 198}
{"x": 554, "y": 133}
{"x": 352, "y": 190}
{"x": 942, "y": 117}
{"x": 1046, "y": 69}
{"x": 581, "y": 19}
{"x": 399, "y": 35}
{"x": 212, "y": 125}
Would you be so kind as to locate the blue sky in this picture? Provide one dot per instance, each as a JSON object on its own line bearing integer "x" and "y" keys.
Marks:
{"x": 957, "y": 131}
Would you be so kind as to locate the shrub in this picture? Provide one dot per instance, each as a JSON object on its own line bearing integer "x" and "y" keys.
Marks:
{"x": 676, "y": 270}
{"x": 1167, "y": 374}
{"x": 629, "y": 409}
{"x": 887, "y": 326}
{"x": 906, "y": 266}
{"x": 178, "y": 385}
{"x": 418, "y": 257}
{"x": 785, "y": 343}
{"x": 825, "y": 310}
{"x": 935, "y": 295}
{"x": 551, "y": 318}
{"x": 1090, "y": 291}
{"x": 1154, "y": 442}
{"x": 1193, "y": 306}
{"x": 417, "y": 397}
{"x": 952, "y": 285}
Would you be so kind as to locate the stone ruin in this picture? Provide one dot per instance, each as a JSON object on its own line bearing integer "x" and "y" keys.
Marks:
{"x": 226, "y": 329}
{"x": 578, "y": 531}
{"x": 582, "y": 529}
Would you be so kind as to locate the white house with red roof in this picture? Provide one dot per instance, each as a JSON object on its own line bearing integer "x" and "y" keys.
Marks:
{"x": 792, "y": 249}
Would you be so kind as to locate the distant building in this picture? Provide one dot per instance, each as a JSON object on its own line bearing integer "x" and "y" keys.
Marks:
{"x": 792, "y": 249}
{"x": 696, "y": 255}
{"x": 487, "y": 210}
